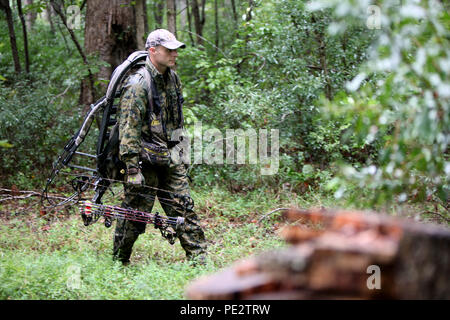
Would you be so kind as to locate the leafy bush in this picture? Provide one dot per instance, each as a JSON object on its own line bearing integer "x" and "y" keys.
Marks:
{"x": 40, "y": 110}
{"x": 273, "y": 77}
{"x": 405, "y": 101}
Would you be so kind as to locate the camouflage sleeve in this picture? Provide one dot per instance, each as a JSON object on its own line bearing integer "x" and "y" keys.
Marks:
{"x": 131, "y": 115}
{"x": 180, "y": 87}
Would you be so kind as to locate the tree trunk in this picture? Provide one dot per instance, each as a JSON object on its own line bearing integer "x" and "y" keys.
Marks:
{"x": 188, "y": 12}
{"x": 48, "y": 16}
{"x": 248, "y": 15}
{"x": 31, "y": 15}
{"x": 110, "y": 33}
{"x": 4, "y": 5}
{"x": 141, "y": 17}
{"x": 320, "y": 38}
{"x": 233, "y": 8}
{"x": 216, "y": 23}
{"x": 172, "y": 17}
{"x": 199, "y": 19}
{"x": 158, "y": 12}
{"x": 25, "y": 37}
{"x": 144, "y": 6}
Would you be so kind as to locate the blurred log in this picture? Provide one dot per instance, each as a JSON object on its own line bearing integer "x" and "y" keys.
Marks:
{"x": 337, "y": 257}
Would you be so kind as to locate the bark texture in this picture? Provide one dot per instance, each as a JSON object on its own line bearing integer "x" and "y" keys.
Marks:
{"x": 111, "y": 35}
{"x": 333, "y": 255}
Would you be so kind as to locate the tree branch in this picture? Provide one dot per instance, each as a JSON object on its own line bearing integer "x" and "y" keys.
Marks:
{"x": 267, "y": 214}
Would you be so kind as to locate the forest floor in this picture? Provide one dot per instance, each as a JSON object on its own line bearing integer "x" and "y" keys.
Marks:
{"x": 52, "y": 255}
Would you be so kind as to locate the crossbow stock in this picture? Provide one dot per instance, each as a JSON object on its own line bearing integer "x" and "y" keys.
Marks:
{"x": 98, "y": 178}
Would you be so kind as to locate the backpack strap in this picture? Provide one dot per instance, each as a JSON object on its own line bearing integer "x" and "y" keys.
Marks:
{"x": 151, "y": 91}
{"x": 154, "y": 103}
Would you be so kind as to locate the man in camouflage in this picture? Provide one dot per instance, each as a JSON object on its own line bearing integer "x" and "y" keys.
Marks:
{"x": 138, "y": 125}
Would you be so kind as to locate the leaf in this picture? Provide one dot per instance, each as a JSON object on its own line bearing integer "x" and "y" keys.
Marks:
{"x": 5, "y": 144}
{"x": 308, "y": 169}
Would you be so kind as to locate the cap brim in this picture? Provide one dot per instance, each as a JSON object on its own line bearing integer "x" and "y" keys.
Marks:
{"x": 175, "y": 44}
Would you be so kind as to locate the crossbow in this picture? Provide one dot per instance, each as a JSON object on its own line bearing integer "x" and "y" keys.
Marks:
{"x": 98, "y": 178}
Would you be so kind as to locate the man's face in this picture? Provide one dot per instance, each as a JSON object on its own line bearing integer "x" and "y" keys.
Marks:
{"x": 163, "y": 57}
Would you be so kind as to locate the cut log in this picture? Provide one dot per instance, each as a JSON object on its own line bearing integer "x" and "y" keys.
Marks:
{"x": 342, "y": 254}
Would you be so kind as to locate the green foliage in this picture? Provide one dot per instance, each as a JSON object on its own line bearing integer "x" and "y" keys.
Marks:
{"x": 271, "y": 77}
{"x": 404, "y": 102}
{"x": 39, "y": 110}
{"x": 5, "y": 144}
{"x": 283, "y": 67}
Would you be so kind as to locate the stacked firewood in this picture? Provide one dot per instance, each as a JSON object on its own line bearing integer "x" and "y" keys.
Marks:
{"x": 340, "y": 254}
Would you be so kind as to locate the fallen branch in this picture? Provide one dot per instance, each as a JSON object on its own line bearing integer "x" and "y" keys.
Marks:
{"x": 267, "y": 214}
{"x": 21, "y": 197}
{"x": 11, "y": 195}
{"x": 438, "y": 214}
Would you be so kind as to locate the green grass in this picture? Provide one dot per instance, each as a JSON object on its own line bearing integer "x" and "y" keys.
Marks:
{"x": 56, "y": 257}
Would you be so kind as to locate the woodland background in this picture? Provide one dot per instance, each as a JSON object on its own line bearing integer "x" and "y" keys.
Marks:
{"x": 358, "y": 89}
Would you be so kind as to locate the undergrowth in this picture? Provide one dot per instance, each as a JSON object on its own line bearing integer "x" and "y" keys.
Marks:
{"x": 52, "y": 255}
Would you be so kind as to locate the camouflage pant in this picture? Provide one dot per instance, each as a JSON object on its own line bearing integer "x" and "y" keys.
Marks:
{"x": 174, "y": 180}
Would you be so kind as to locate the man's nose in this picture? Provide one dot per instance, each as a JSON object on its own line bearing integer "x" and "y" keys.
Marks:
{"x": 174, "y": 53}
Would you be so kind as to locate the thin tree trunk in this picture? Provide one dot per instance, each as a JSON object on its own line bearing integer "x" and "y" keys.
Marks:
{"x": 30, "y": 17}
{"x": 158, "y": 13}
{"x": 49, "y": 16}
{"x": 144, "y": 4}
{"x": 235, "y": 18}
{"x": 25, "y": 37}
{"x": 4, "y": 5}
{"x": 83, "y": 4}
{"x": 216, "y": 22}
{"x": 248, "y": 15}
{"x": 233, "y": 8}
{"x": 198, "y": 20}
{"x": 188, "y": 11}
{"x": 69, "y": 51}
{"x": 323, "y": 59}
{"x": 59, "y": 12}
{"x": 172, "y": 16}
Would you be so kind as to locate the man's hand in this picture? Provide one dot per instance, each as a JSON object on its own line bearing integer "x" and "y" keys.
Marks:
{"x": 135, "y": 177}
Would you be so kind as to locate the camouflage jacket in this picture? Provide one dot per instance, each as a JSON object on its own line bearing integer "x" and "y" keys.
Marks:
{"x": 136, "y": 123}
